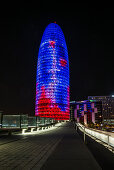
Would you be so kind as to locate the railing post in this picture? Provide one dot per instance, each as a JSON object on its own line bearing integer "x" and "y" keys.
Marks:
{"x": 108, "y": 141}
{"x": 84, "y": 134}
{"x": 76, "y": 126}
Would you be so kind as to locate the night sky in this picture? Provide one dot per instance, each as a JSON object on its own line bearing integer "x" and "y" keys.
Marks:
{"x": 89, "y": 34}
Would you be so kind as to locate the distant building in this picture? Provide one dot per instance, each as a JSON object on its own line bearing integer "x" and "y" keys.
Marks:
{"x": 86, "y": 111}
{"x": 72, "y": 108}
{"x": 107, "y": 107}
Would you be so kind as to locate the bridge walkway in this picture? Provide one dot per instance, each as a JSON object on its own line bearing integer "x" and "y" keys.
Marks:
{"x": 71, "y": 153}
{"x": 57, "y": 148}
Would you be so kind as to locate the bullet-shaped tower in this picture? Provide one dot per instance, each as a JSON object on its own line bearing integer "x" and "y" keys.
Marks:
{"x": 52, "y": 82}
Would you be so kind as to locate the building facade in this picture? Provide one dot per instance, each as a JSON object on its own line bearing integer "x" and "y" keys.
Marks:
{"x": 72, "y": 109}
{"x": 107, "y": 107}
{"x": 87, "y": 111}
{"x": 52, "y": 83}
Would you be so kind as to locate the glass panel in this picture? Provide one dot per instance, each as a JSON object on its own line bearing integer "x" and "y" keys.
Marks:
{"x": 11, "y": 121}
{"x": 42, "y": 121}
{"x": 48, "y": 122}
{"x": 24, "y": 121}
{"x": 38, "y": 121}
{"x": 31, "y": 121}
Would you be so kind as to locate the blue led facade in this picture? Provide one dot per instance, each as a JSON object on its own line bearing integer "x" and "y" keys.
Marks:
{"x": 52, "y": 83}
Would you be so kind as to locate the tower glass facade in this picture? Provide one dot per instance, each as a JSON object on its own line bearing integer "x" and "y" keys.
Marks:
{"x": 52, "y": 83}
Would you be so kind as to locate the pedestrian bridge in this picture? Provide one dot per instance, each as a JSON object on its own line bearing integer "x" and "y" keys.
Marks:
{"x": 58, "y": 147}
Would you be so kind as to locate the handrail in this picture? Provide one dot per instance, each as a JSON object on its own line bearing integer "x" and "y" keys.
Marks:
{"x": 106, "y": 138}
{"x": 94, "y": 129}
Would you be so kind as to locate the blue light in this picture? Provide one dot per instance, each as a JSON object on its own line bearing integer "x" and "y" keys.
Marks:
{"x": 52, "y": 83}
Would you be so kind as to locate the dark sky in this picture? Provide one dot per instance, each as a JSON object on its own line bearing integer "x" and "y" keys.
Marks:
{"x": 89, "y": 34}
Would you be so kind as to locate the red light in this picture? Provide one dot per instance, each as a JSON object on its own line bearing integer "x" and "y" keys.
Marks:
{"x": 48, "y": 109}
{"x": 52, "y": 44}
{"x": 63, "y": 62}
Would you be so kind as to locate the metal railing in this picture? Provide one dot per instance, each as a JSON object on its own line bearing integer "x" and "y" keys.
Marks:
{"x": 105, "y": 137}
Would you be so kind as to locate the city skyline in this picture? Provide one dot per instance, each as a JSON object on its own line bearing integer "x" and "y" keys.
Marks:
{"x": 89, "y": 37}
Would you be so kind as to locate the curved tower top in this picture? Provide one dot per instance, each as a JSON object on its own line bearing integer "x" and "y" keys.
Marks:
{"x": 52, "y": 84}
{"x": 53, "y": 32}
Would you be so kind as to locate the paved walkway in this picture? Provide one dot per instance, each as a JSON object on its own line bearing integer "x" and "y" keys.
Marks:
{"x": 60, "y": 149}
{"x": 71, "y": 153}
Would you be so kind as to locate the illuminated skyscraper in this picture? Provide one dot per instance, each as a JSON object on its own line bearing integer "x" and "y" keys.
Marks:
{"x": 52, "y": 83}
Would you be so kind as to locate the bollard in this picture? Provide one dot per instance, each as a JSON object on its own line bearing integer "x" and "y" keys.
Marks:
{"x": 32, "y": 129}
{"x": 23, "y": 131}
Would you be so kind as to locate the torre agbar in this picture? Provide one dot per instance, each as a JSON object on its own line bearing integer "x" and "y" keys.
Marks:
{"x": 52, "y": 83}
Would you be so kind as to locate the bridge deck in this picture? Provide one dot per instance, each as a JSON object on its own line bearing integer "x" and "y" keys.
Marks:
{"x": 61, "y": 148}
{"x": 71, "y": 153}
